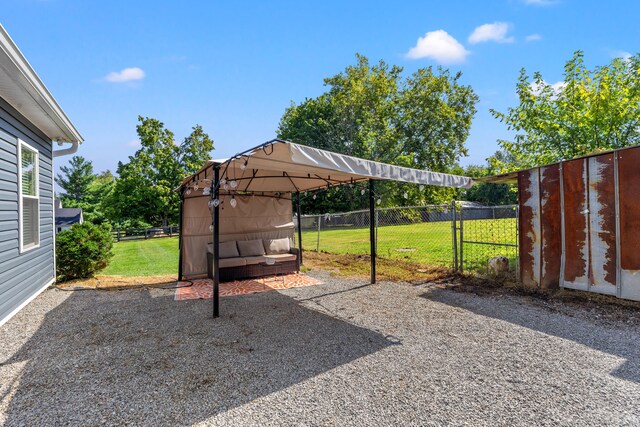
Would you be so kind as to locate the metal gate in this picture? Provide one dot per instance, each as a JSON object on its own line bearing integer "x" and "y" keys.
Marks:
{"x": 487, "y": 232}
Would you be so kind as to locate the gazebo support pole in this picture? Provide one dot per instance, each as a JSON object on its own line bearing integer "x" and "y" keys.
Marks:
{"x": 372, "y": 230}
{"x": 299, "y": 226}
{"x": 216, "y": 243}
{"x": 180, "y": 222}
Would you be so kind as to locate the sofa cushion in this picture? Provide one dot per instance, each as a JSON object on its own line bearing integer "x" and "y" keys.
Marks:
{"x": 227, "y": 249}
{"x": 250, "y": 260}
{"x": 231, "y": 262}
{"x": 276, "y": 246}
{"x": 282, "y": 257}
{"x": 250, "y": 248}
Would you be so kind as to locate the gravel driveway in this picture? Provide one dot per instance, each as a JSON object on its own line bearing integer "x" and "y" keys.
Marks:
{"x": 341, "y": 353}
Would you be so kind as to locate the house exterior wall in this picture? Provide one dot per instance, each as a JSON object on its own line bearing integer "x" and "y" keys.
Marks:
{"x": 580, "y": 224}
{"x": 23, "y": 275}
{"x": 62, "y": 228}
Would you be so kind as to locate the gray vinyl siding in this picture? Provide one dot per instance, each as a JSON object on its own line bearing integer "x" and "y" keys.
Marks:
{"x": 22, "y": 275}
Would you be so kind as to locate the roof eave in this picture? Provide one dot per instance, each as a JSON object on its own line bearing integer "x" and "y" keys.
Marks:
{"x": 52, "y": 121}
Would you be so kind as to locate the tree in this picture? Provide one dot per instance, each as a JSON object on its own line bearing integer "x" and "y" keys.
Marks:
{"x": 489, "y": 194}
{"x": 195, "y": 150}
{"x": 84, "y": 189}
{"x": 75, "y": 179}
{"x": 591, "y": 111}
{"x": 99, "y": 190}
{"x": 144, "y": 188}
{"x": 92, "y": 203}
{"x": 371, "y": 111}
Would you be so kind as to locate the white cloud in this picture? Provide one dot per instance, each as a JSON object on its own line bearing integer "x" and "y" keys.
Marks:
{"x": 438, "y": 45}
{"x": 621, "y": 54}
{"x": 557, "y": 86}
{"x": 125, "y": 75}
{"x": 496, "y": 32}
{"x": 533, "y": 38}
{"x": 135, "y": 143}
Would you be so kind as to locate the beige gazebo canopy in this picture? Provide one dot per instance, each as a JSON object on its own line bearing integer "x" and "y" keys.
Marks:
{"x": 279, "y": 168}
{"x": 282, "y": 166}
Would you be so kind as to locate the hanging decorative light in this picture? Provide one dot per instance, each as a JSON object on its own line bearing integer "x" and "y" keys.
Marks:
{"x": 188, "y": 191}
{"x": 379, "y": 201}
{"x": 215, "y": 203}
{"x": 421, "y": 187}
{"x": 233, "y": 183}
{"x": 314, "y": 197}
{"x": 225, "y": 186}
{"x": 243, "y": 166}
{"x": 196, "y": 187}
{"x": 362, "y": 192}
{"x": 233, "y": 202}
{"x": 223, "y": 181}
{"x": 406, "y": 195}
{"x": 206, "y": 191}
{"x": 211, "y": 228}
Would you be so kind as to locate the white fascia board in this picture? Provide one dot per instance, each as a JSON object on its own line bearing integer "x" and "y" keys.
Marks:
{"x": 28, "y": 94}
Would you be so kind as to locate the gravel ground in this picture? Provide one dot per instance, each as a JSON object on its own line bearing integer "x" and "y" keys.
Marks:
{"x": 341, "y": 353}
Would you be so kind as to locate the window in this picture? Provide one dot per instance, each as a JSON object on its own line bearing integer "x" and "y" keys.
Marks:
{"x": 29, "y": 192}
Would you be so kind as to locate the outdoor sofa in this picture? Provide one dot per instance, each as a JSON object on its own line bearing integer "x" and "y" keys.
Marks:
{"x": 242, "y": 259}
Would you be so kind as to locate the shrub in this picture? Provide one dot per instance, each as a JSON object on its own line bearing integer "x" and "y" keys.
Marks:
{"x": 83, "y": 250}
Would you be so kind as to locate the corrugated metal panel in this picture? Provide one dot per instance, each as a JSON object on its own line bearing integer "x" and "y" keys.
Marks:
{"x": 580, "y": 224}
{"x": 529, "y": 226}
{"x": 551, "y": 244}
{"x": 629, "y": 196}
{"x": 602, "y": 224}
{"x": 576, "y": 227}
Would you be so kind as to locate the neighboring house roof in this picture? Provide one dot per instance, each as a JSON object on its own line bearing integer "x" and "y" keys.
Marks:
{"x": 22, "y": 88}
{"x": 68, "y": 216}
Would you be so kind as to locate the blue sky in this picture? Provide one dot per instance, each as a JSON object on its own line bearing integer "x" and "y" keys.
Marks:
{"x": 234, "y": 67}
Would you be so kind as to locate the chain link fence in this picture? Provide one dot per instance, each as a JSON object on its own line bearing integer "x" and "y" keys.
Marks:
{"x": 451, "y": 236}
{"x": 487, "y": 232}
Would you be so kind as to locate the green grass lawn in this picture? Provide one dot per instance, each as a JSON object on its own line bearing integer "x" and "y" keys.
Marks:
{"x": 429, "y": 243}
{"x": 152, "y": 257}
{"x": 425, "y": 243}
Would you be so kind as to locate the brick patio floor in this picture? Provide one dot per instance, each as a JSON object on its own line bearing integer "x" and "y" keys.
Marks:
{"x": 203, "y": 288}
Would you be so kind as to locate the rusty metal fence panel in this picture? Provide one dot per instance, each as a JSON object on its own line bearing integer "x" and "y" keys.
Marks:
{"x": 575, "y": 209}
{"x": 628, "y": 184}
{"x": 580, "y": 224}
{"x": 529, "y": 227}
